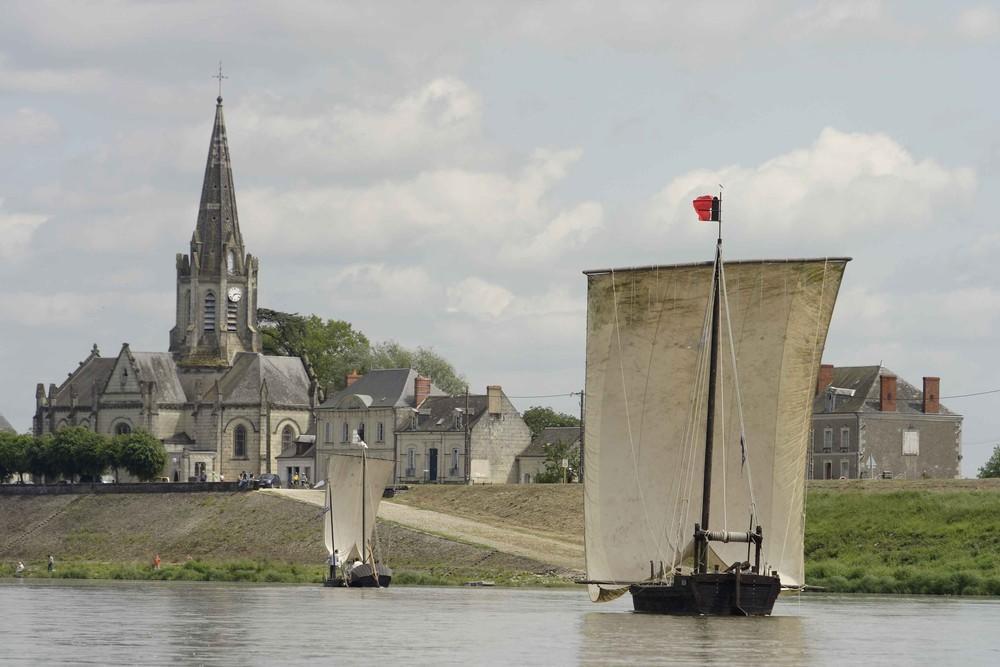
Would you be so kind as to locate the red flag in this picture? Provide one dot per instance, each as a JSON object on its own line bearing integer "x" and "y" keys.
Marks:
{"x": 707, "y": 208}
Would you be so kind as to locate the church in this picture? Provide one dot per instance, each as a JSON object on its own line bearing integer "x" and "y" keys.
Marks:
{"x": 216, "y": 402}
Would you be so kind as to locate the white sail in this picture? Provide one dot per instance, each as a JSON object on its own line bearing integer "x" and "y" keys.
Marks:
{"x": 647, "y": 351}
{"x": 344, "y": 493}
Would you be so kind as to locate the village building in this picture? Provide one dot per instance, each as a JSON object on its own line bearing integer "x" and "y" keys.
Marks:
{"x": 869, "y": 423}
{"x": 531, "y": 462}
{"x": 5, "y": 426}
{"x": 219, "y": 405}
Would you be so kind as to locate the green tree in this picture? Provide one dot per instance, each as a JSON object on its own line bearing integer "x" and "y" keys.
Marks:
{"x": 78, "y": 451}
{"x": 427, "y": 362}
{"x": 142, "y": 455}
{"x": 992, "y": 466}
{"x": 113, "y": 453}
{"x": 538, "y": 418}
{"x": 333, "y": 347}
{"x": 555, "y": 452}
{"x": 8, "y": 455}
{"x": 40, "y": 459}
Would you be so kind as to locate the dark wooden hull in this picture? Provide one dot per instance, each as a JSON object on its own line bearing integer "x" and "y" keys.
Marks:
{"x": 711, "y": 594}
{"x": 365, "y": 577}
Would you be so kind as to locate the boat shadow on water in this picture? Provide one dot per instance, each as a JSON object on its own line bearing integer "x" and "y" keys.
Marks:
{"x": 634, "y": 638}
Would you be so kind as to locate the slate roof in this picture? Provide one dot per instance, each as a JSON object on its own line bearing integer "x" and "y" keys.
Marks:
{"x": 864, "y": 380}
{"x": 286, "y": 378}
{"x": 552, "y": 434}
{"x": 94, "y": 369}
{"x": 382, "y": 388}
{"x": 438, "y": 413}
{"x": 159, "y": 367}
{"x": 5, "y": 425}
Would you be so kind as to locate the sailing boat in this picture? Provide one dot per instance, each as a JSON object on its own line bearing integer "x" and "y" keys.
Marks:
{"x": 354, "y": 487}
{"x": 699, "y": 393}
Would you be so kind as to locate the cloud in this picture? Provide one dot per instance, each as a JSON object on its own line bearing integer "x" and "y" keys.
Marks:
{"x": 70, "y": 309}
{"x": 16, "y": 232}
{"x": 27, "y": 126}
{"x": 980, "y": 23}
{"x": 842, "y": 184}
{"x": 479, "y": 298}
{"x": 45, "y": 80}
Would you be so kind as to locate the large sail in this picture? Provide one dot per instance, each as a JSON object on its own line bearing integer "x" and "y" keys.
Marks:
{"x": 344, "y": 491}
{"x": 647, "y": 361}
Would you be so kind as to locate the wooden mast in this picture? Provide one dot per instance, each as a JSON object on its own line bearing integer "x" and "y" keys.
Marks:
{"x": 701, "y": 541}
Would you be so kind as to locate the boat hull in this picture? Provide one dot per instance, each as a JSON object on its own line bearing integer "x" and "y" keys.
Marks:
{"x": 711, "y": 594}
{"x": 364, "y": 576}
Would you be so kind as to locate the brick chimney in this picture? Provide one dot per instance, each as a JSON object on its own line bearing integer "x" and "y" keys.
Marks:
{"x": 825, "y": 378}
{"x": 932, "y": 395}
{"x": 353, "y": 377}
{"x": 887, "y": 395}
{"x": 421, "y": 390}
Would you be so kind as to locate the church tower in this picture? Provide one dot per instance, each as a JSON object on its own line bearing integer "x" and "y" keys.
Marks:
{"x": 217, "y": 282}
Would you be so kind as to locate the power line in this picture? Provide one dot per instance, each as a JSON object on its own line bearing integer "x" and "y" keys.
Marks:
{"x": 569, "y": 394}
{"x": 978, "y": 393}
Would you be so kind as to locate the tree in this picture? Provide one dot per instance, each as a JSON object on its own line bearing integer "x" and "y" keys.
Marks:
{"x": 427, "y": 362}
{"x": 76, "y": 450}
{"x": 40, "y": 458}
{"x": 142, "y": 455}
{"x": 538, "y": 418}
{"x": 333, "y": 347}
{"x": 992, "y": 466}
{"x": 8, "y": 455}
{"x": 555, "y": 452}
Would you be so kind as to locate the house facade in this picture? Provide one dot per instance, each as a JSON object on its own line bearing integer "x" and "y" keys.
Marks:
{"x": 531, "y": 461}
{"x": 219, "y": 405}
{"x": 869, "y": 423}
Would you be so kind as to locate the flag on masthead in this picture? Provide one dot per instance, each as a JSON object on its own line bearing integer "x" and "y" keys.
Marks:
{"x": 707, "y": 208}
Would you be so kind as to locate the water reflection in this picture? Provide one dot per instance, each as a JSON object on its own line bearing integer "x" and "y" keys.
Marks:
{"x": 617, "y": 638}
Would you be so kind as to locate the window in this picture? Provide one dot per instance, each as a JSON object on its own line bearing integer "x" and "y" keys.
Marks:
{"x": 231, "y": 262}
{"x": 208, "y": 323}
{"x": 287, "y": 436}
{"x": 380, "y": 432}
{"x": 454, "y": 461}
{"x": 828, "y": 440}
{"x": 845, "y": 439}
{"x": 329, "y": 431}
{"x": 361, "y": 431}
{"x": 187, "y": 305}
{"x": 231, "y": 316}
{"x": 345, "y": 434}
{"x": 240, "y": 442}
{"x": 911, "y": 442}
{"x": 845, "y": 469}
{"x": 122, "y": 428}
{"x": 411, "y": 462}
{"x": 812, "y": 440}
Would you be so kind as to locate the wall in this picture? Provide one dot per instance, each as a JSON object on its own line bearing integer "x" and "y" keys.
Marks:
{"x": 940, "y": 444}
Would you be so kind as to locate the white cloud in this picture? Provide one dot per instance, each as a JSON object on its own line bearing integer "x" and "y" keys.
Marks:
{"x": 979, "y": 23}
{"x": 45, "y": 80}
{"x": 842, "y": 184}
{"x": 71, "y": 309}
{"x": 479, "y": 298}
{"x": 27, "y": 126}
{"x": 16, "y": 232}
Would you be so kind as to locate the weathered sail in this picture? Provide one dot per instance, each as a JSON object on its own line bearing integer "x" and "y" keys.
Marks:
{"x": 646, "y": 391}
{"x": 344, "y": 491}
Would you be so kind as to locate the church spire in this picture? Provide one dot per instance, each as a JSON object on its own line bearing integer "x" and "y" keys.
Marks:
{"x": 217, "y": 240}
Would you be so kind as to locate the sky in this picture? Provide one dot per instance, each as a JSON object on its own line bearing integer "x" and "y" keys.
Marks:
{"x": 441, "y": 173}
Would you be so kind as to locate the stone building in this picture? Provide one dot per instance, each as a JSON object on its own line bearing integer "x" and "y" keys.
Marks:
{"x": 5, "y": 426}
{"x": 219, "y": 405}
{"x": 869, "y": 423}
{"x": 403, "y": 416}
{"x": 532, "y": 460}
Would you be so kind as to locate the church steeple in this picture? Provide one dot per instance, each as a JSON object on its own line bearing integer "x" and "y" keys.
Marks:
{"x": 217, "y": 282}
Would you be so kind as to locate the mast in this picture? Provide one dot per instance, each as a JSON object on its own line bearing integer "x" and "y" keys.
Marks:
{"x": 329, "y": 502}
{"x": 364, "y": 484}
{"x": 713, "y": 363}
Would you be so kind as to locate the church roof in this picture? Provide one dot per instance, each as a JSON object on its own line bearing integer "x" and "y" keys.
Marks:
{"x": 5, "y": 425}
{"x": 159, "y": 367}
{"x": 286, "y": 378}
{"x": 94, "y": 370}
{"x": 218, "y": 222}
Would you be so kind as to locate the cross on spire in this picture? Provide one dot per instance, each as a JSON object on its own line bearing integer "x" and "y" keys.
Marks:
{"x": 220, "y": 76}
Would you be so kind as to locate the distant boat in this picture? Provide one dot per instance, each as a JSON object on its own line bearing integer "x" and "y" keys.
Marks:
{"x": 699, "y": 390}
{"x": 354, "y": 489}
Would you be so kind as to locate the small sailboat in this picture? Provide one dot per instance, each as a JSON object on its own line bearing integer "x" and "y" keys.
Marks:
{"x": 354, "y": 487}
{"x": 699, "y": 394}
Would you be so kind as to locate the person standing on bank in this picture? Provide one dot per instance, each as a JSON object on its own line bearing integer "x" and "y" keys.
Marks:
{"x": 52, "y": 563}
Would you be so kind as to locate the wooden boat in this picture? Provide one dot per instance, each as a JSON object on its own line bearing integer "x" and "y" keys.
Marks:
{"x": 354, "y": 489}
{"x": 699, "y": 391}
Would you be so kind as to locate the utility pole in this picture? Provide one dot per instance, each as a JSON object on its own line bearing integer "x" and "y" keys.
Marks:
{"x": 468, "y": 439}
{"x": 581, "y": 395}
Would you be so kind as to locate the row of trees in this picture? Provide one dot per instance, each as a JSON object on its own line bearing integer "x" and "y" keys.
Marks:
{"x": 78, "y": 453}
{"x": 335, "y": 348}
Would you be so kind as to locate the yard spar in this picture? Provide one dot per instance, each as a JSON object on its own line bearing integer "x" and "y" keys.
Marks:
{"x": 700, "y": 382}
{"x": 354, "y": 487}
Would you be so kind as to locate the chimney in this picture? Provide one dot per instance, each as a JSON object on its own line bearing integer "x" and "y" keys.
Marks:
{"x": 932, "y": 395}
{"x": 493, "y": 402}
{"x": 421, "y": 390}
{"x": 825, "y": 378}
{"x": 887, "y": 395}
{"x": 353, "y": 377}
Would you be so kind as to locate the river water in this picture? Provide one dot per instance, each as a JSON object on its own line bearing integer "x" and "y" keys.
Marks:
{"x": 45, "y": 622}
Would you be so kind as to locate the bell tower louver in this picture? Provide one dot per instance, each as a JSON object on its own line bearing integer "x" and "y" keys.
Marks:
{"x": 217, "y": 281}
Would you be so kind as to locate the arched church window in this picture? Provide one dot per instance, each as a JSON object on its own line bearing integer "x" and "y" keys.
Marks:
{"x": 240, "y": 442}
{"x": 287, "y": 435}
{"x": 231, "y": 262}
{"x": 122, "y": 428}
{"x": 209, "y": 320}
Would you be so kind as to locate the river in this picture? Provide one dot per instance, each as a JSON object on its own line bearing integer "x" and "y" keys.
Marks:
{"x": 45, "y": 622}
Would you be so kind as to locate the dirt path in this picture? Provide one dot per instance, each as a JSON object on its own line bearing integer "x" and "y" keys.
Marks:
{"x": 518, "y": 542}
